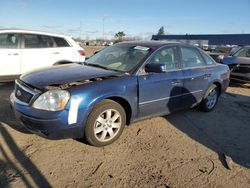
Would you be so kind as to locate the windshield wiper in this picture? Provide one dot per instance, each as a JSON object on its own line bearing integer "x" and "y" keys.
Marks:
{"x": 96, "y": 65}
{"x": 101, "y": 66}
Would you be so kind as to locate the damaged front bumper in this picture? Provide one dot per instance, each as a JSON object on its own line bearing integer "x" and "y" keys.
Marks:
{"x": 51, "y": 125}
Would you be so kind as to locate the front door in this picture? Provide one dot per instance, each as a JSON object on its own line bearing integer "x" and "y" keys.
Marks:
{"x": 159, "y": 93}
{"x": 9, "y": 54}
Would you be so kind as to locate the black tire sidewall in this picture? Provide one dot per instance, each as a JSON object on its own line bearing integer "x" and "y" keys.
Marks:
{"x": 96, "y": 111}
{"x": 203, "y": 104}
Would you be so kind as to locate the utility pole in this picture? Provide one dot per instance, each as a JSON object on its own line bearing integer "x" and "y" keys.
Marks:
{"x": 103, "y": 31}
{"x": 80, "y": 30}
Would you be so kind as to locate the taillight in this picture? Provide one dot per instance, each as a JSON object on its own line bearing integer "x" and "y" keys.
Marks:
{"x": 81, "y": 52}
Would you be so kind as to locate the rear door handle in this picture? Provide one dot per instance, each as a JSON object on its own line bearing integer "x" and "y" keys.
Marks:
{"x": 55, "y": 53}
{"x": 206, "y": 76}
{"x": 176, "y": 82}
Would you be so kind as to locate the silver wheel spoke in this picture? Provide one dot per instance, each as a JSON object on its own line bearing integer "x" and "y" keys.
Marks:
{"x": 100, "y": 120}
{"x": 115, "y": 117}
{"x": 111, "y": 132}
{"x": 108, "y": 113}
{"x": 116, "y": 125}
{"x": 103, "y": 136}
{"x": 211, "y": 99}
{"x": 107, "y": 125}
{"x": 98, "y": 129}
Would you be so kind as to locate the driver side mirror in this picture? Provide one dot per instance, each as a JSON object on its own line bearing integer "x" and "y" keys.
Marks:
{"x": 155, "y": 68}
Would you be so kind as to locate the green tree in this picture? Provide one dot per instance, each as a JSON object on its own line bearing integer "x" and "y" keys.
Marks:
{"x": 119, "y": 35}
{"x": 161, "y": 31}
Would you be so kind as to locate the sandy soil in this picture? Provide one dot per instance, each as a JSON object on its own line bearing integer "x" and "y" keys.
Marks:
{"x": 186, "y": 149}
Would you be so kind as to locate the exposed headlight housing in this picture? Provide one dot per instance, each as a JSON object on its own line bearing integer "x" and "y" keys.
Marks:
{"x": 53, "y": 100}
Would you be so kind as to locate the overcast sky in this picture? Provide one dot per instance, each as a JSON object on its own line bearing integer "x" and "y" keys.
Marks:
{"x": 89, "y": 18}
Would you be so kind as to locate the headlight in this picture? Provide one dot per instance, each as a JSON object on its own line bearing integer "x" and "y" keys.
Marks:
{"x": 53, "y": 100}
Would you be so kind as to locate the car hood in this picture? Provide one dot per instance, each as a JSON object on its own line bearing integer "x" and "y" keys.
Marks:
{"x": 64, "y": 74}
{"x": 236, "y": 60}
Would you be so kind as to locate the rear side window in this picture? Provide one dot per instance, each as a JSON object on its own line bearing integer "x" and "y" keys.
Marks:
{"x": 46, "y": 41}
{"x": 31, "y": 41}
{"x": 9, "y": 40}
{"x": 60, "y": 42}
{"x": 209, "y": 60}
{"x": 37, "y": 41}
{"x": 191, "y": 58}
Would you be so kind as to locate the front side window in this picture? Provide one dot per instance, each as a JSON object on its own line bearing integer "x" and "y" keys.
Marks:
{"x": 165, "y": 56}
{"x": 119, "y": 58}
{"x": 9, "y": 40}
{"x": 190, "y": 57}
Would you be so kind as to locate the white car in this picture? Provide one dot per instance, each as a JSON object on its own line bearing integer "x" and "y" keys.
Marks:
{"x": 24, "y": 50}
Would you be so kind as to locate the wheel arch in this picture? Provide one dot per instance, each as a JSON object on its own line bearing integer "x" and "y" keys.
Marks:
{"x": 218, "y": 85}
{"x": 126, "y": 106}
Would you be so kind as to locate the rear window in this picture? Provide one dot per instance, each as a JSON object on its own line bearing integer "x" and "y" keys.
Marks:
{"x": 60, "y": 42}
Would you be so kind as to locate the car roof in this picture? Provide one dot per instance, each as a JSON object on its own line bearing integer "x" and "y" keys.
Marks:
{"x": 32, "y": 32}
{"x": 153, "y": 43}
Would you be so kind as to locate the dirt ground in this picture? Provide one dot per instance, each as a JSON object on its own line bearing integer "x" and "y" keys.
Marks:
{"x": 186, "y": 149}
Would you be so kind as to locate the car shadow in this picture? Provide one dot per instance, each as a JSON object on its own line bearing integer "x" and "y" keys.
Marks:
{"x": 225, "y": 130}
{"x": 23, "y": 160}
{"x": 8, "y": 170}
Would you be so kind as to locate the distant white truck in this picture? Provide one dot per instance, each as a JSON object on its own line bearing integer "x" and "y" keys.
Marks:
{"x": 25, "y": 50}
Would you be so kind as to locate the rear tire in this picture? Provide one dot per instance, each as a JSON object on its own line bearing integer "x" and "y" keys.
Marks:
{"x": 105, "y": 123}
{"x": 210, "y": 99}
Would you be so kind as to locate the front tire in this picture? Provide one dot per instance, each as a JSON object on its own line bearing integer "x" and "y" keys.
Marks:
{"x": 210, "y": 99}
{"x": 105, "y": 123}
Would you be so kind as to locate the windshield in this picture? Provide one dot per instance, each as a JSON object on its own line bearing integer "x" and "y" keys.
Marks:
{"x": 243, "y": 52}
{"x": 119, "y": 58}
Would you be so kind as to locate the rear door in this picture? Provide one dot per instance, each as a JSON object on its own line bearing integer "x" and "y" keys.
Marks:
{"x": 38, "y": 51}
{"x": 195, "y": 76}
{"x": 160, "y": 93}
{"x": 68, "y": 52}
{"x": 9, "y": 54}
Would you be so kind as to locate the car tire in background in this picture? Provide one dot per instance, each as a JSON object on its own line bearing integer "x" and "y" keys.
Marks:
{"x": 210, "y": 99}
{"x": 105, "y": 123}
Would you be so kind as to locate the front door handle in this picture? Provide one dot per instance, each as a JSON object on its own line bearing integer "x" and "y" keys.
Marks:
{"x": 55, "y": 53}
{"x": 13, "y": 54}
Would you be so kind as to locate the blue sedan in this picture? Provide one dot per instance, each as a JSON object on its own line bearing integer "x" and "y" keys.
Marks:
{"x": 120, "y": 84}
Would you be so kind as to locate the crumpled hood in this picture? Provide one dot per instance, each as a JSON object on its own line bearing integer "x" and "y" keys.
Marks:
{"x": 236, "y": 60}
{"x": 63, "y": 74}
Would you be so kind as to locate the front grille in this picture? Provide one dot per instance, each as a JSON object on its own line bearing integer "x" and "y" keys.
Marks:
{"x": 23, "y": 93}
